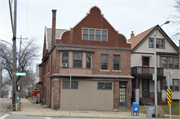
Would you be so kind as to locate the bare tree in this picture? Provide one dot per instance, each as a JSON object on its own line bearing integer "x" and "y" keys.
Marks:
{"x": 175, "y": 20}
{"x": 27, "y": 83}
{"x": 6, "y": 83}
{"x": 28, "y": 53}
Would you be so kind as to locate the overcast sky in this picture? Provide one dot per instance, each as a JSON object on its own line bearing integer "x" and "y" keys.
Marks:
{"x": 124, "y": 15}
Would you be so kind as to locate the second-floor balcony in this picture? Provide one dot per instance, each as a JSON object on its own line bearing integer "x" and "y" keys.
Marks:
{"x": 146, "y": 71}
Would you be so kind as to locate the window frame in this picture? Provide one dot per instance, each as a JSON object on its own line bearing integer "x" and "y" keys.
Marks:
{"x": 156, "y": 43}
{"x": 119, "y": 62}
{"x": 167, "y": 63}
{"x": 95, "y": 34}
{"x": 174, "y": 85}
{"x": 67, "y": 57}
{"x": 107, "y": 61}
{"x": 89, "y": 62}
{"x": 69, "y": 84}
{"x": 105, "y": 85}
{"x": 81, "y": 59}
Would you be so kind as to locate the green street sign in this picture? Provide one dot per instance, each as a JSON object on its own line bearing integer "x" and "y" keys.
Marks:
{"x": 20, "y": 74}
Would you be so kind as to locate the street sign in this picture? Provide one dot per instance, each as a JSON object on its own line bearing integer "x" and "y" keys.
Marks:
{"x": 20, "y": 74}
{"x": 169, "y": 97}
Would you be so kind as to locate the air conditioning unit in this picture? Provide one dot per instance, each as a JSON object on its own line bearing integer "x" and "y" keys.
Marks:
{"x": 64, "y": 64}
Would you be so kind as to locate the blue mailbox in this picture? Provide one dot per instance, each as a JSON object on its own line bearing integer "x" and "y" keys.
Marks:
{"x": 135, "y": 108}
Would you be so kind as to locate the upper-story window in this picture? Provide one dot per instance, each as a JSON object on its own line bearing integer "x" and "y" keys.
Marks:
{"x": 116, "y": 62}
{"x": 160, "y": 43}
{"x": 104, "y": 62}
{"x": 65, "y": 57}
{"x": 94, "y": 34}
{"x": 170, "y": 62}
{"x": 88, "y": 60}
{"x": 77, "y": 60}
{"x": 176, "y": 85}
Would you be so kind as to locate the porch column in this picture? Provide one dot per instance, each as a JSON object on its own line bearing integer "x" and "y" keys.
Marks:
{"x": 163, "y": 91}
{"x": 137, "y": 91}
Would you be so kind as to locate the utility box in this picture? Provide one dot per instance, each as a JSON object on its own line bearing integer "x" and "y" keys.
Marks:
{"x": 149, "y": 109}
{"x": 135, "y": 108}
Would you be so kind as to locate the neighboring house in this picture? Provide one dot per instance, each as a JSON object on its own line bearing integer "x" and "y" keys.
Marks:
{"x": 97, "y": 58}
{"x": 142, "y": 65}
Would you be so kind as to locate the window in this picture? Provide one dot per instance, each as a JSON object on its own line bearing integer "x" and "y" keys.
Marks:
{"x": 116, "y": 62}
{"x": 170, "y": 62}
{"x": 104, "y": 85}
{"x": 176, "y": 64}
{"x": 66, "y": 85}
{"x": 151, "y": 43}
{"x": 85, "y": 34}
{"x": 104, "y": 62}
{"x": 77, "y": 60}
{"x": 91, "y": 34}
{"x": 164, "y": 62}
{"x": 104, "y": 35}
{"x": 65, "y": 57}
{"x": 176, "y": 85}
{"x": 97, "y": 35}
{"x": 160, "y": 43}
{"x": 157, "y": 43}
{"x": 94, "y": 34}
{"x": 88, "y": 60}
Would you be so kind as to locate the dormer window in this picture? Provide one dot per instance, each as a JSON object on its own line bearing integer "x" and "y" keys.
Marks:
{"x": 94, "y": 34}
{"x": 160, "y": 43}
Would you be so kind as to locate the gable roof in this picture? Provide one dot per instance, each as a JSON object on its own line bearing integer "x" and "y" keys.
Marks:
{"x": 137, "y": 40}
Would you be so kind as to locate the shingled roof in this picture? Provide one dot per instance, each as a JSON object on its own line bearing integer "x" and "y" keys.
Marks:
{"x": 136, "y": 39}
{"x": 59, "y": 32}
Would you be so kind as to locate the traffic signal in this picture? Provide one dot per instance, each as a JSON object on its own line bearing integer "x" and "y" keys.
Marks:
{"x": 153, "y": 77}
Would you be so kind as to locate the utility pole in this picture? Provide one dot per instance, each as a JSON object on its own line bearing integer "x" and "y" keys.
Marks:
{"x": 14, "y": 59}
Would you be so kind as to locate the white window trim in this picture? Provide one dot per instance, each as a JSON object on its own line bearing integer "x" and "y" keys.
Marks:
{"x": 94, "y": 34}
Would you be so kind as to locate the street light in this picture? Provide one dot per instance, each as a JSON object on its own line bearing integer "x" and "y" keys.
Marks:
{"x": 155, "y": 70}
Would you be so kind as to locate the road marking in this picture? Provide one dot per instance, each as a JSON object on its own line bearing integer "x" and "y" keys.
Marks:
{"x": 4, "y": 116}
{"x": 47, "y": 117}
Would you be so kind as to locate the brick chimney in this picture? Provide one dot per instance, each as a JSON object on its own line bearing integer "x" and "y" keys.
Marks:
{"x": 53, "y": 40}
{"x": 132, "y": 34}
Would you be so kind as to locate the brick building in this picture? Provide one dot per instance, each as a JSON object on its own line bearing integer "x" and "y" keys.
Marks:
{"x": 97, "y": 59}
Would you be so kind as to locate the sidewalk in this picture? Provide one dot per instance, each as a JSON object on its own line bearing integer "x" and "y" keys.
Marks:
{"x": 30, "y": 109}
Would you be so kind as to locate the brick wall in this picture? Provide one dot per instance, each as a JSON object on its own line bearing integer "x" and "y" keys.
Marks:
{"x": 94, "y": 20}
{"x": 129, "y": 94}
{"x": 116, "y": 95}
{"x": 57, "y": 95}
{"x": 125, "y": 62}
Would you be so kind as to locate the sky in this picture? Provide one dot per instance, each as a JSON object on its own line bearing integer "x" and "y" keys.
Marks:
{"x": 124, "y": 15}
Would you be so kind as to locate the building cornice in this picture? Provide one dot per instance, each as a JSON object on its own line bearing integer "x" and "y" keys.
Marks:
{"x": 91, "y": 47}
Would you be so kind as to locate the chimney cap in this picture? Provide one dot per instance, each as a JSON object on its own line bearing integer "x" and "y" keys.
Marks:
{"x": 54, "y": 10}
